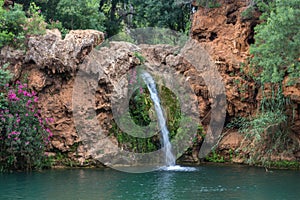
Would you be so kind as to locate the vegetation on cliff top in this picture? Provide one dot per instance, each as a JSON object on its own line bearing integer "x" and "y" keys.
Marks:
{"x": 113, "y": 16}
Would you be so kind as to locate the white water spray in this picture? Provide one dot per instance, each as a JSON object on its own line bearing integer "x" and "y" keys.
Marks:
{"x": 167, "y": 147}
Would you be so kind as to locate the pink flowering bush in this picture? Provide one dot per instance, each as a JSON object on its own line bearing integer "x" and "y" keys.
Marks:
{"x": 24, "y": 133}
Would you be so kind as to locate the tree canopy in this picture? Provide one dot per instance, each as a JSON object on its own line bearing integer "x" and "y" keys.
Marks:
{"x": 113, "y": 16}
{"x": 276, "y": 50}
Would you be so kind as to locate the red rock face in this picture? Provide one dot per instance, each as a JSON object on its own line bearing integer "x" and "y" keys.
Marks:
{"x": 226, "y": 36}
{"x": 50, "y": 64}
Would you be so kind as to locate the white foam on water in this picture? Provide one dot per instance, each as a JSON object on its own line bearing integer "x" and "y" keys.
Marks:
{"x": 178, "y": 168}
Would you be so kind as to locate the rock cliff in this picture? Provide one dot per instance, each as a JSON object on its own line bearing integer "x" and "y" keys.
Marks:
{"x": 52, "y": 63}
{"x": 49, "y": 66}
{"x": 227, "y": 35}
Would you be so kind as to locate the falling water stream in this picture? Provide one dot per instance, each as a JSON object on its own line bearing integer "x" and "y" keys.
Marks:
{"x": 170, "y": 159}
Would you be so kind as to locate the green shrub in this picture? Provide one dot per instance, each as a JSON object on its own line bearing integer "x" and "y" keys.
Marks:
{"x": 215, "y": 157}
{"x": 15, "y": 26}
{"x": 267, "y": 134}
{"x": 11, "y": 25}
{"x": 275, "y": 52}
{"x": 35, "y": 24}
{"x": 5, "y": 76}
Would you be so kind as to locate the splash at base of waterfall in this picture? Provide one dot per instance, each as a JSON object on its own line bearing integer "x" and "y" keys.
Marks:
{"x": 178, "y": 168}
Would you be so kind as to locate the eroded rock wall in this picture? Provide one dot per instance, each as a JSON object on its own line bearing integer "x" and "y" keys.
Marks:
{"x": 227, "y": 35}
{"x": 49, "y": 65}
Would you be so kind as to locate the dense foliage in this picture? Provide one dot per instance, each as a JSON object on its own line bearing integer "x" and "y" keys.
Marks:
{"x": 79, "y": 14}
{"x": 277, "y": 40}
{"x": 113, "y": 16}
{"x": 16, "y": 25}
{"x": 24, "y": 134}
{"x": 275, "y": 56}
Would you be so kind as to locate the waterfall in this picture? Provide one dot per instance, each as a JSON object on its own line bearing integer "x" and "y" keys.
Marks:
{"x": 169, "y": 157}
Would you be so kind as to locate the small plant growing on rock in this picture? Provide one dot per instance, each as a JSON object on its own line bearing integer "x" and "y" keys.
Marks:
{"x": 35, "y": 24}
{"x": 24, "y": 134}
{"x": 140, "y": 57}
{"x": 208, "y": 3}
{"x": 215, "y": 157}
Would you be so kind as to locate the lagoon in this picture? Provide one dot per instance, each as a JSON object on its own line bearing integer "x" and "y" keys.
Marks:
{"x": 205, "y": 182}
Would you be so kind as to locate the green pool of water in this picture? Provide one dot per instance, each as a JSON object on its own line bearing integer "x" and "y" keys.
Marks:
{"x": 206, "y": 182}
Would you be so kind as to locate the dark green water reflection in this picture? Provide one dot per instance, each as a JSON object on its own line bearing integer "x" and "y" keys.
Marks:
{"x": 207, "y": 182}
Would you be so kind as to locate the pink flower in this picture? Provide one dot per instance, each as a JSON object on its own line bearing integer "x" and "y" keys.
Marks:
{"x": 28, "y": 103}
{"x": 49, "y": 120}
{"x": 26, "y": 114}
{"x": 18, "y": 120}
{"x": 15, "y": 133}
{"x": 33, "y": 93}
{"x": 12, "y": 96}
{"x": 36, "y": 99}
{"x": 141, "y": 90}
{"x": 25, "y": 93}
